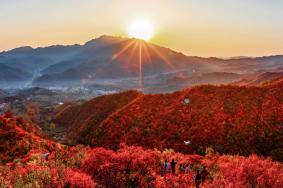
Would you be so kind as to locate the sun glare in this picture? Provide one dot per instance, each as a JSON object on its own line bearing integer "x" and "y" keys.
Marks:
{"x": 141, "y": 30}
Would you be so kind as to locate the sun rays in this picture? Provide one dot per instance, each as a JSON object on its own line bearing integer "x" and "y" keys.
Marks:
{"x": 134, "y": 54}
{"x": 140, "y": 80}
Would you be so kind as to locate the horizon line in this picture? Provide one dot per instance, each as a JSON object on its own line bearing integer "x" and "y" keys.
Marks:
{"x": 124, "y": 37}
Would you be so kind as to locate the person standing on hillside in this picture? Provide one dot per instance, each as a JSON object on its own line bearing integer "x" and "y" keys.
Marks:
{"x": 181, "y": 168}
{"x": 165, "y": 167}
{"x": 173, "y": 166}
{"x": 198, "y": 179}
{"x": 187, "y": 169}
{"x": 203, "y": 174}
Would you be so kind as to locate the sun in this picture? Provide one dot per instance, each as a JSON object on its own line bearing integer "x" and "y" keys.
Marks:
{"x": 141, "y": 30}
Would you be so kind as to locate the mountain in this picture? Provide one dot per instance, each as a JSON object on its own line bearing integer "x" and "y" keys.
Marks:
{"x": 182, "y": 80}
{"x": 123, "y": 62}
{"x": 34, "y": 60}
{"x": 113, "y": 57}
{"x": 258, "y": 79}
{"x": 8, "y": 74}
{"x": 253, "y": 65}
{"x": 117, "y": 60}
{"x": 231, "y": 119}
{"x": 12, "y": 76}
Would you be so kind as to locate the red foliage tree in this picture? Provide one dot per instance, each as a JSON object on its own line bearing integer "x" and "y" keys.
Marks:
{"x": 76, "y": 179}
{"x": 129, "y": 167}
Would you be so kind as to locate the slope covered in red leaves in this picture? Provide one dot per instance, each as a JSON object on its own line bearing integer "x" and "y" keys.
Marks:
{"x": 133, "y": 166}
{"x": 230, "y": 119}
{"x": 128, "y": 166}
{"x": 278, "y": 82}
{"x": 79, "y": 119}
{"x": 18, "y": 138}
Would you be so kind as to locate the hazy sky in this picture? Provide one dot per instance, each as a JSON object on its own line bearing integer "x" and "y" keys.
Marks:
{"x": 194, "y": 27}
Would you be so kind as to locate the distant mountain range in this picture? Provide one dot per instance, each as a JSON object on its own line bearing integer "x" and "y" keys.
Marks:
{"x": 116, "y": 61}
{"x": 11, "y": 76}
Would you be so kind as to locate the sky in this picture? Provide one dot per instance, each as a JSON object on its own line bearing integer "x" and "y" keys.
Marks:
{"x": 220, "y": 28}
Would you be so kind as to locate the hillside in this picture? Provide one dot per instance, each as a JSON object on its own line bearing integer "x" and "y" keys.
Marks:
{"x": 92, "y": 112}
{"x": 10, "y": 75}
{"x": 275, "y": 82}
{"x": 33, "y": 60}
{"x": 181, "y": 80}
{"x": 81, "y": 167}
{"x": 259, "y": 79}
{"x": 2, "y": 94}
{"x": 27, "y": 159}
{"x": 231, "y": 119}
{"x": 18, "y": 138}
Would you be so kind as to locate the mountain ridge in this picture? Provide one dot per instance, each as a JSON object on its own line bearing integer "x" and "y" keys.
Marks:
{"x": 117, "y": 59}
{"x": 121, "y": 37}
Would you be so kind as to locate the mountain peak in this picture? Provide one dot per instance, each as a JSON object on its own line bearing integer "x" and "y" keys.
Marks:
{"x": 104, "y": 39}
{"x": 23, "y": 49}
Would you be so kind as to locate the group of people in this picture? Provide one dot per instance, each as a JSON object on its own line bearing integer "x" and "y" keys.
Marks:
{"x": 184, "y": 168}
